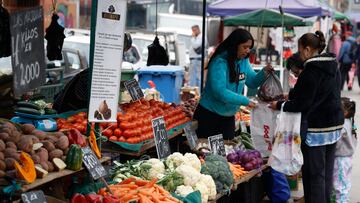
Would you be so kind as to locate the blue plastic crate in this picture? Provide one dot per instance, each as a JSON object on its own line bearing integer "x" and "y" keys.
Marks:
{"x": 168, "y": 80}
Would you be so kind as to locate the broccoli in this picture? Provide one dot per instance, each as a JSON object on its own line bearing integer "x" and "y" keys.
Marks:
{"x": 219, "y": 169}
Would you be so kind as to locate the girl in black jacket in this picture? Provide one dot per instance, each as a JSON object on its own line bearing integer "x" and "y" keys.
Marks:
{"x": 317, "y": 96}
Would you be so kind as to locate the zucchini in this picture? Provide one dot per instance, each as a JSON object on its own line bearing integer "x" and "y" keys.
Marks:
{"x": 247, "y": 144}
{"x": 246, "y": 138}
{"x": 28, "y": 111}
{"x": 28, "y": 105}
{"x": 50, "y": 111}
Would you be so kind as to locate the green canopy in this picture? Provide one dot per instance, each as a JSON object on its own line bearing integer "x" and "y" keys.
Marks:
{"x": 265, "y": 18}
{"x": 341, "y": 16}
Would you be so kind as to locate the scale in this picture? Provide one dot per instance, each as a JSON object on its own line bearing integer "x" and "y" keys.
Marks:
{"x": 45, "y": 123}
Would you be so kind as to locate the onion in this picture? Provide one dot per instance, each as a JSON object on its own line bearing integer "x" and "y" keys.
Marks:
{"x": 232, "y": 157}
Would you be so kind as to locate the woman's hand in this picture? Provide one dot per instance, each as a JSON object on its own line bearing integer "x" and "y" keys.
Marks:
{"x": 251, "y": 105}
{"x": 268, "y": 69}
{"x": 273, "y": 105}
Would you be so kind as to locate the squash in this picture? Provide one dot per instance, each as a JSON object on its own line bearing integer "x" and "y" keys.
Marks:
{"x": 74, "y": 157}
{"x": 93, "y": 144}
{"x": 26, "y": 170}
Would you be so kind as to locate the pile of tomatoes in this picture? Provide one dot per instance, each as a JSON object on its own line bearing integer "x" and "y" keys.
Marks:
{"x": 134, "y": 125}
{"x": 77, "y": 121}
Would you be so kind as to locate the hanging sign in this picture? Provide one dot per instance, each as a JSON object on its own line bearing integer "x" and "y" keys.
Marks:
{"x": 28, "y": 56}
{"x": 33, "y": 197}
{"x": 93, "y": 164}
{"x": 107, "y": 50}
{"x": 133, "y": 87}
{"x": 191, "y": 136}
{"x": 216, "y": 144}
{"x": 161, "y": 138}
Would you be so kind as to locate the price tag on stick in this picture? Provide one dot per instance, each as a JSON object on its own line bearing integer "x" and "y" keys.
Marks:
{"x": 216, "y": 144}
{"x": 33, "y": 197}
{"x": 191, "y": 136}
{"x": 133, "y": 87}
{"x": 161, "y": 138}
{"x": 93, "y": 164}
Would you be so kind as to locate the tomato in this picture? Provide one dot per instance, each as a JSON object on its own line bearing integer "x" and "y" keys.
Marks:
{"x": 80, "y": 128}
{"x": 127, "y": 133}
{"x": 121, "y": 139}
{"x": 131, "y": 140}
{"x": 125, "y": 125}
{"x": 143, "y": 130}
{"x": 71, "y": 119}
{"x": 84, "y": 122}
{"x": 82, "y": 114}
{"x": 117, "y": 132}
{"x": 113, "y": 138}
{"x": 112, "y": 126}
{"x": 107, "y": 133}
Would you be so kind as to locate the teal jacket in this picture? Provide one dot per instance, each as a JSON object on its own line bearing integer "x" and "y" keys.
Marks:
{"x": 220, "y": 95}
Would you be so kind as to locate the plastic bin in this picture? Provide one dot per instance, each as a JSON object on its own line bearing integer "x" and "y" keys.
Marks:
{"x": 168, "y": 80}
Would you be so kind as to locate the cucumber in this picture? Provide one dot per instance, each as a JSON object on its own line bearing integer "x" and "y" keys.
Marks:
{"x": 50, "y": 111}
{"x": 28, "y": 111}
{"x": 248, "y": 145}
{"x": 28, "y": 105}
{"x": 246, "y": 138}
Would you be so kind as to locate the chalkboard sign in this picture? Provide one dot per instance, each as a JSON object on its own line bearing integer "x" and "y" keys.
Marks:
{"x": 133, "y": 87}
{"x": 93, "y": 164}
{"x": 191, "y": 136}
{"x": 216, "y": 144}
{"x": 161, "y": 137}
{"x": 33, "y": 197}
{"x": 28, "y": 56}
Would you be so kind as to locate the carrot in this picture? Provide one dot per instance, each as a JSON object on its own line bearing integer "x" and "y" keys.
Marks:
{"x": 151, "y": 183}
{"x": 128, "y": 196}
{"x": 155, "y": 198}
{"x": 130, "y": 186}
{"x": 141, "y": 182}
{"x": 162, "y": 190}
{"x": 127, "y": 181}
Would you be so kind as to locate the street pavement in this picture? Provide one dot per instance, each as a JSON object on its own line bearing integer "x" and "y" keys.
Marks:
{"x": 355, "y": 190}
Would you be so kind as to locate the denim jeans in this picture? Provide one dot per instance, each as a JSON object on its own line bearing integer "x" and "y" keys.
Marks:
{"x": 195, "y": 72}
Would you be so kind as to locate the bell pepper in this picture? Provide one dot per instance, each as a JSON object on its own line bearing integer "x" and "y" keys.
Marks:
{"x": 78, "y": 198}
{"x": 110, "y": 199}
{"x": 93, "y": 144}
{"x": 93, "y": 198}
{"x": 75, "y": 137}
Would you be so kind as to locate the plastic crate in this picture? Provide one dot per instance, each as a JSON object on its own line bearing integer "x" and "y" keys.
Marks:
{"x": 168, "y": 80}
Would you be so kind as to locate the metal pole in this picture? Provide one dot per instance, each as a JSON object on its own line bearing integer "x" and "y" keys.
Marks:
{"x": 203, "y": 45}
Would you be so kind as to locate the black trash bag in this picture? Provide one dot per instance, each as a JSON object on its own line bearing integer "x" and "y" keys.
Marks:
{"x": 157, "y": 54}
{"x": 271, "y": 89}
{"x": 55, "y": 39}
{"x": 5, "y": 36}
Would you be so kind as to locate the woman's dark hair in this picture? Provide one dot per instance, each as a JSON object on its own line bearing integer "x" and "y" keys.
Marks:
{"x": 348, "y": 106}
{"x": 315, "y": 41}
{"x": 230, "y": 45}
{"x": 295, "y": 61}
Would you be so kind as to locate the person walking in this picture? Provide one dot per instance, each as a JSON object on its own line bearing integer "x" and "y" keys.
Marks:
{"x": 317, "y": 96}
{"x": 195, "y": 53}
{"x": 229, "y": 70}
{"x": 346, "y": 58}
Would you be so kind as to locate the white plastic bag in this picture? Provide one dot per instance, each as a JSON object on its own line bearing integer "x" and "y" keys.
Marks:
{"x": 262, "y": 128}
{"x": 286, "y": 156}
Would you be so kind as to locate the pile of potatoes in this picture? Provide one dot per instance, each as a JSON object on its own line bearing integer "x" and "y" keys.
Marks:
{"x": 42, "y": 146}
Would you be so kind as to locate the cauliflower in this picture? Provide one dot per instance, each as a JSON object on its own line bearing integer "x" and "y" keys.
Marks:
{"x": 209, "y": 182}
{"x": 191, "y": 175}
{"x": 183, "y": 190}
{"x": 203, "y": 190}
{"x": 175, "y": 160}
{"x": 155, "y": 169}
{"x": 193, "y": 160}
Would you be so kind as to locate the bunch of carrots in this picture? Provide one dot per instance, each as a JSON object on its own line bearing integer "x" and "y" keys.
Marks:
{"x": 141, "y": 191}
{"x": 237, "y": 170}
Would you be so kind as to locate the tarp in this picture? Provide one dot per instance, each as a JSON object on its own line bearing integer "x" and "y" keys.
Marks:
{"x": 340, "y": 16}
{"x": 265, "y": 18}
{"x": 304, "y": 8}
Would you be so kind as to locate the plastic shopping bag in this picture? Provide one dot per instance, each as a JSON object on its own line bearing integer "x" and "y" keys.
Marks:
{"x": 286, "y": 156}
{"x": 271, "y": 89}
{"x": 262, "y": 127}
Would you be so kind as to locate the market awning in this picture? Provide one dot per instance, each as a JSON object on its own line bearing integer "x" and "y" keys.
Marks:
{"x": 341, "y": 16}
{"x": 305, "y": 8}
{"x": 265, "y": 18}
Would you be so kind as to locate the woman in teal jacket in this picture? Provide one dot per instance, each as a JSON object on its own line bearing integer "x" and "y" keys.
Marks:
{"x": 228, "y": 71}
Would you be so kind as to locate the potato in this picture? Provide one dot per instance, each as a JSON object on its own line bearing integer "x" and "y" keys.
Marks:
{"x": 11, "y": 145}
{"x": 2, "y": 146}
{"x": 6, "y": 130}
{"x": 63, "y": 158}
{"x": 14, "y": 137}
{"x": 2, "y": 156}
{"x": 2, "y": 173}
{"x": 9, "y": 163}
{"x": 36, "y": 158}
{"x": 34, "y": 138}
{"x": 43, "y": 154}
{"x": 28, "y": 128}
{"x": 26, "y": 144}
{"x": 52, "y": 139}
{"x": 62, "y": 143}
{"x": 59, "y": 164}
{"x": 41, "y": 135}
{"x": 66, "y": 151}
{"x": 4, "y": 136}
{"x": 57, "y": 134}
{"x": 57, "y": 153}
{"x": 51, "y": 166}
{"x": 9, "y": 151}
{"x": 44, "y": 165}
{"x": 49, "y": 146}
{"x": 2, "y": 165}
{"x": 40, "y": 172}
{"x": 11, "y": 173}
